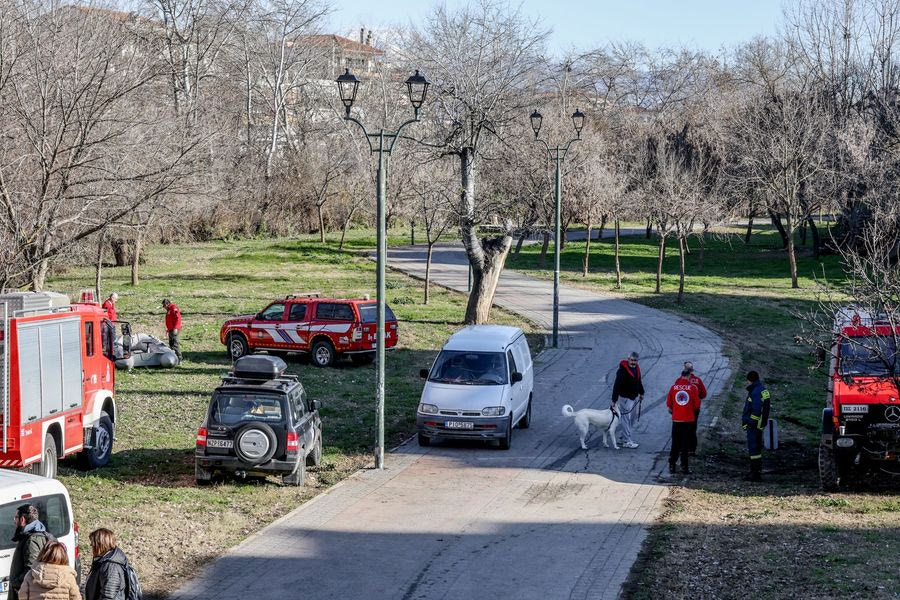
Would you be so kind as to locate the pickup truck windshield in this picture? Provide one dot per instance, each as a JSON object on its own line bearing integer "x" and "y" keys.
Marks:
{"x": 235, "y": 408}
{"x": 869, "y": 357}
{"x": 469, "y": 368}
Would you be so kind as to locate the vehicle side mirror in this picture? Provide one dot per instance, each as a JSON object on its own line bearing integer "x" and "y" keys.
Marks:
{"x": 423, "y": 373}
{"x": 516, "y": 377}
{"x": 126, "y": 329}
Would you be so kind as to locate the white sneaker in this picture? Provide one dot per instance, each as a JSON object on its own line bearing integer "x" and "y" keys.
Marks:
{"x": 630, "y": 445}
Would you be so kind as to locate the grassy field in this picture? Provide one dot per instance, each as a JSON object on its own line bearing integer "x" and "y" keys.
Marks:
{"x": 167, "y": 525}
{"x": 721, "y": 537}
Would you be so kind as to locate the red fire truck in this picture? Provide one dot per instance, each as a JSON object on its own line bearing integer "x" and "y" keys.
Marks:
{"x": 861, "y": 420}
{"x": 57, "y": 376}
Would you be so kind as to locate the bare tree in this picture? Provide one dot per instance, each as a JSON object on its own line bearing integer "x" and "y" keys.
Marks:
{"x": 481, "y": 60}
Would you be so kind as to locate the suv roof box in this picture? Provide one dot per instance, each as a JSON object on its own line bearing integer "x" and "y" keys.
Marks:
{"x": 259, "y": 367}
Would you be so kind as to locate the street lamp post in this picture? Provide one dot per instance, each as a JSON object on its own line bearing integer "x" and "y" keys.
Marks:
{"x": 557, "y": 154}
{"x": 381, "y": 143}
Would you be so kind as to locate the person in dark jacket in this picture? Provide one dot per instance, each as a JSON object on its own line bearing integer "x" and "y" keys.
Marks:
{"x": 627, "y": 387}
{"x": 754, "y": 420}
{"x": 30, "y": 538}
{"x": 107, "y": 578}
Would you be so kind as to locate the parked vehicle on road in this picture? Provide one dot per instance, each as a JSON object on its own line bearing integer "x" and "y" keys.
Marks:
{"x": 54, "y": 506}
{"x": 326, "y": 328}
{"x": 57, "y": 381}
{"x": 259, "y": 422}
{"x": 479, "y": 387}
{"x": 861, "y": 421}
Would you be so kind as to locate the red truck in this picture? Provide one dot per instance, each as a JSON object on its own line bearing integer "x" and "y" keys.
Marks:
{"x": 326, "y": 328}
{"x": 861, "y": 421}
{"x": 57, "y": 381}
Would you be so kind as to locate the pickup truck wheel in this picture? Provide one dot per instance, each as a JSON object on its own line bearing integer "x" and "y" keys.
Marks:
{"x": 298, "y": 477}
{"x": 506, "y": 441}
{"x": 99, "y": 455}
{"x": 829, "y": 475}
{"x": 314, "y": 458}
{"x": 237, "y": 346}
{"x": 323, "y": 354}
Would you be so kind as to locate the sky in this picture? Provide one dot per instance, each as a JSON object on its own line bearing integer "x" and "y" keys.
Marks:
{"x": 583, "y": 24}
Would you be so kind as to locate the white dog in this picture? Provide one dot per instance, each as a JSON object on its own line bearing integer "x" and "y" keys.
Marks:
{"x": 605, "y": 420}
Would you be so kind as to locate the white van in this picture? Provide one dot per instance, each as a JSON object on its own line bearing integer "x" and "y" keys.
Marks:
{"x": 52, "y": 501}
{"x": 479, "y": 387}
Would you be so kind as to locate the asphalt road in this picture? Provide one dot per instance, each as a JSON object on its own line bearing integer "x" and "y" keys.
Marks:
{"x": 543, "y": 520}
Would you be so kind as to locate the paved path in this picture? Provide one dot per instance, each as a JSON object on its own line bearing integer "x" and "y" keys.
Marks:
{"x": 543, "y": 520}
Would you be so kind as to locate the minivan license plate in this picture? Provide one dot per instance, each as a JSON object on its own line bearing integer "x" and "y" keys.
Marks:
{"x": 220, "y": 443}
{"x": 458, "y": 424}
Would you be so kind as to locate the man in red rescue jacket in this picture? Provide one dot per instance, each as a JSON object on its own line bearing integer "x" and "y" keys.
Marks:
{"x": 109, "y": 305}
{"x": 684, "y": 405}
{"x": 173, "y": 326}
{"x": 701, "y": 388}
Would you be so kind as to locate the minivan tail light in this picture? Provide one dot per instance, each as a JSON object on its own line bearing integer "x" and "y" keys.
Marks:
{"x": 201, "y": 436}
{"x": 77, "y": 549}
{"x": 293, "y": 442}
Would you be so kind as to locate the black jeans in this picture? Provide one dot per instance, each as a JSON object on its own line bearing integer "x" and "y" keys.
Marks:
{"x": 682, "y": 433}
{"x": 174, "y": 342}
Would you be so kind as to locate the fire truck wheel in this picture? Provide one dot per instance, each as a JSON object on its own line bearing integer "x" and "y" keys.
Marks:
{"x": 323, "y": 353}
{"x": 829, "y": 474}
{"x": 298, "y": 477}
{"x": 99, "y": 455}
{"x": 237, "y": 346}
{"x": 47, "y": 466}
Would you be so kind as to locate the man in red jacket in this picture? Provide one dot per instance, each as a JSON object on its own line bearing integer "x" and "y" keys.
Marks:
{"x": 689, "y": 366}
{"x": 684, "y": 405}
{"x": 173, "y": 326}
{"x": 109, "y": 305}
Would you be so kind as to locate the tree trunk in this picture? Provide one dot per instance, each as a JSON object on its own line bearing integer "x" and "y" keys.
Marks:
{"x": 485, "y": 278}
{"x": 136, "y": 258}
{"x": 792, "y": 254}
{"x": 412, "y": 233}
{"x": 542, "y": 259}
{"x": 98, "y": 267}
{"x": 601, "y": 228}
{"x": 587, "y": 252}
{"x": 39, "y": 275}
{"x": 803, "y": 234}
{"x": 321, "y": 223}
{"x": 649, "y": 228}
{"x": 618, "y": 265}
{"x": 519, "y": 243}
{"x": 816, "y": 239}
{"x": 749, "y": 230}
{"x": 120, "y": 252}
{"x": 776, "y": 221}
{"x": 563, "y": 236}
{"x": 702, "y": 257}
{"x": 659, "y": 264}
{"x": 681, "y": 244}
{"x": 428, "y": 269}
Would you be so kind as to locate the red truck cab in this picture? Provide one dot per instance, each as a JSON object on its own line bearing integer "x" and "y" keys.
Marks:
{"x": 326, "y": 328}
{"x": 861, "y": 420}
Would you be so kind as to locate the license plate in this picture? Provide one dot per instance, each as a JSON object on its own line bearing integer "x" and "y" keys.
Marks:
{"x": 4, "y": 587}
{"x": 220, "y": 443}
{"x": 858, "y": 409}
{"x": 459, "y": 425}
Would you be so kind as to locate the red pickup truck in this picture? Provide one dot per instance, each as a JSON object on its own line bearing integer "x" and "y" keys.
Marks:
{"x": 327, "y": 328}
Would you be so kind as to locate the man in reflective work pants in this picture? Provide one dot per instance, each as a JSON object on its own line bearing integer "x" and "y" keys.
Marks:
{"x": 753, "y": 420}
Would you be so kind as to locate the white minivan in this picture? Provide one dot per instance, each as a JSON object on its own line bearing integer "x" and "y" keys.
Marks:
{"x": 479, "y": 387}
{"x": 54, "y": 506}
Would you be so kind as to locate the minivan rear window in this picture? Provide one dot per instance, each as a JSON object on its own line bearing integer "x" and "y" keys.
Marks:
{"x": 54, "y": 514}
{"x": 368, "y": 313}
{"x": 469, "y": 368}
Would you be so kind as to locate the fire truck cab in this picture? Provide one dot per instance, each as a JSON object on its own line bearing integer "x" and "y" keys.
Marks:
{"x": 57, "y": 381}
{"x": 861, "y": 419}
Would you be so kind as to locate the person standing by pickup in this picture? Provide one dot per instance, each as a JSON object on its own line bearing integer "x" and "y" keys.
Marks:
{"x": 173, "y": 326}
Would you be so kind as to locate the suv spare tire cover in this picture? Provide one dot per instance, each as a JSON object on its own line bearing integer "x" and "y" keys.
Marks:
{"x": 255, "y": 444}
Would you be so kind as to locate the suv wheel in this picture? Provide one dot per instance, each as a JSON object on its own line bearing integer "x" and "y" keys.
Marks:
{"x": 237, "y": 346}
{"x": 255, "y": 444}
{"x": 298, "y": 477}
{"x": 314, "y": 458}
{"x": 323, "y": 354}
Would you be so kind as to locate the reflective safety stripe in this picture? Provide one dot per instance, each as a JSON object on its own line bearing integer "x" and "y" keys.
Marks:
{"x": 765, "y": 395}
{"x": 756, "y": 417}
{"x": 755, "y": 456}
